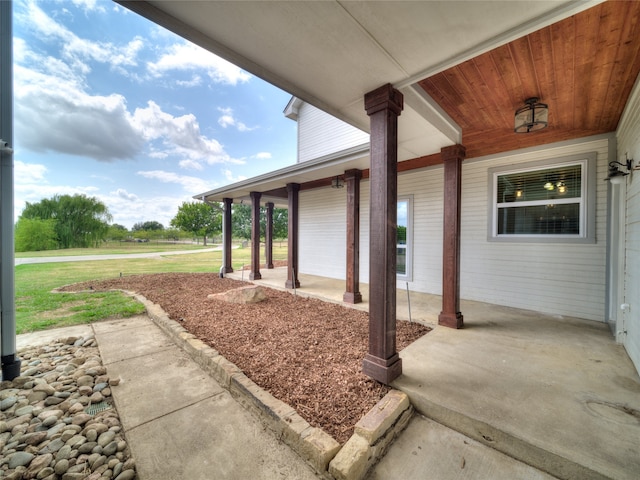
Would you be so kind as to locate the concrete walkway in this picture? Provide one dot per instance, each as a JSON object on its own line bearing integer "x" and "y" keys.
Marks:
{"x": 179, "y": 423}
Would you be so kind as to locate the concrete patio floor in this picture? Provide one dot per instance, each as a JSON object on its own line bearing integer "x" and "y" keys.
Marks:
{"x": 555, "y": 393}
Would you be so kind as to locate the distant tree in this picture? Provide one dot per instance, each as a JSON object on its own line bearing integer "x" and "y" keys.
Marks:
{"x": 33, "y": 234}
{"x": 199, "y": 218}
{"x": 241, "y": 222}
{"x": 148, "y": 226}
{"x": 280, "y": 223}
{"x": 117, "y": 232}
{"x": 402, "y": 235}
{"x": 80, "y": 221}
{"x": 172, "y": 234}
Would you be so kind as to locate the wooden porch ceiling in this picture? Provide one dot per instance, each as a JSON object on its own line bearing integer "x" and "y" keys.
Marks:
{"x": 583, "y": 67}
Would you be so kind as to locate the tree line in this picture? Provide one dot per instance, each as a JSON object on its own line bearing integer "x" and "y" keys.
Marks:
{"x": 78, "y": 221}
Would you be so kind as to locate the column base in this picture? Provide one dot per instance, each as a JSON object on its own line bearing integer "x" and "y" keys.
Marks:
{"x": 227, "y": 269}
{"x": 10, "y": 367}
{"x": 384, "y": 371}
{"x": 451, "y": 320}
{"x": 291, "y": 284}
{"x": 269, "y": 266}
{"x": 352, "y": 297}
{"x": 255, "y": 276}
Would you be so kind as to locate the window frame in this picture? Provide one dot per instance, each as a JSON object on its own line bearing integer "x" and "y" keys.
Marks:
{"x": 587, "y": 200}
{"x": 408, "y": 275}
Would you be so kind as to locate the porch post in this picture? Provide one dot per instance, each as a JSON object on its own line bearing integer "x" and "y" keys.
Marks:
{"x": 450, "y": 316}
{"x": 352, "y": 293}
{"x": 268, "y": 236}
{"x": 255, "y": 236}
{"x": 292, "y": 263}
{"x": 226, "y": 236}
{"x": 383, "y": 106}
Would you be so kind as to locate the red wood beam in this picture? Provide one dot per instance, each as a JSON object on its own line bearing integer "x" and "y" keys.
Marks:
{"x": 450, "y": 315}
{"x": 292, "y": 267}
{"x": 268, "y": 249}
{"x": 352, "y": 293}
{"x": 383, "y": 106}
{"x": 255, "y": 236}
{"x": 226, "y": 235}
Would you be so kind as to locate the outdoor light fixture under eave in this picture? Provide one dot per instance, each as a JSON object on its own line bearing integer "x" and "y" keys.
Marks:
{"x": 532, "y": 117}
{"x": 337, "y": 182}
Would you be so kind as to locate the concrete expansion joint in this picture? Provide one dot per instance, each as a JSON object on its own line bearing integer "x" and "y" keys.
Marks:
{"x": 135, "y": 357}
{"x": 372, "y": 436}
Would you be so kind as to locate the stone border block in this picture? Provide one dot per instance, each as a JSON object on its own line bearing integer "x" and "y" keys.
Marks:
{"x": 382, "y": 416}
{"x": 372, "y": 436}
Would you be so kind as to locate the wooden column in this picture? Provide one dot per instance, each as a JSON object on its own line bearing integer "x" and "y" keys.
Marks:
{"x": 452, "y": 158}
{"x": 226, "y": 236}
{"x": 268, "y": 236}
{"x": 255, "y": 236}
{"x": 292, "y": 263}
{"x": 352, "y": 293}
{"x": 383, "y": 106}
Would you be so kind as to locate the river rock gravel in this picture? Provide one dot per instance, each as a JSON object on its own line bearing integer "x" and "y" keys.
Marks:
{"x": 58, "y": 420}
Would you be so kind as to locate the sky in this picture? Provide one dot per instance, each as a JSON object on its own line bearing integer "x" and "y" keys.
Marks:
{"x": 110, "y": 105}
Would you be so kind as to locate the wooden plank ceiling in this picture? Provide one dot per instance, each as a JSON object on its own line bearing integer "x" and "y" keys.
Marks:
{"x": 583, "y": 67}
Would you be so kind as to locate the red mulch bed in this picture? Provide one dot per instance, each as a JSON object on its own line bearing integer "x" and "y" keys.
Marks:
{"x": 305, "y": 352}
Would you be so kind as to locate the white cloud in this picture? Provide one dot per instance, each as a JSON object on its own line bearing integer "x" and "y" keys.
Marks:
{"x": 190, "y": 165}
{"x": 89, "y": 5}
{"x": 228, "y": 174}
{"x": 180, "y": 135}
{"x": 53, "y": 112}
{"x": 159, "y": 208}
{"x": 228, "y": 120}
{"x": 190, "y": 57}
{"x": 122, "y": 193}
{"x": 193, "y": 185}
{"x": 28, "y": 173}
{"x": 75, "y": 49}
{"x": 263, "y": 155}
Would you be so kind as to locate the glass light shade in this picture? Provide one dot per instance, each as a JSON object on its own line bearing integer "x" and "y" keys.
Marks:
{"x": 532, "y": 117}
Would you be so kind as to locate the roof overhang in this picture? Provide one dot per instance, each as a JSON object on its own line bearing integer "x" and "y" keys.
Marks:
{"x": 331, "y": 53}
{"x": 271, "y": 184}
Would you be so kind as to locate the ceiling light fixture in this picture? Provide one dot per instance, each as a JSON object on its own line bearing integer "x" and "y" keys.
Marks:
{"x": 337, "y": 182}
{"x": 532, "y": 117}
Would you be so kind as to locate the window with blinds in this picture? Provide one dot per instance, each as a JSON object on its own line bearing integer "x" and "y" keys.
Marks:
{"x": 542, "y": 201}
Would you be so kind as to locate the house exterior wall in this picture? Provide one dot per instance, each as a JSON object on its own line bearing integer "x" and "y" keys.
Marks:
{"x": 628, "y": 136}
{"x": 322, "y": 232}
{"x": 321, "y": 134}
{"x": 557, "y": 278}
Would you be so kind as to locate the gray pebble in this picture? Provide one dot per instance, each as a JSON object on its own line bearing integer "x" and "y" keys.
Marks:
{"x": 110, "y": 449}
{"x": 61, "y": 466}
{"x": 126, "y": 475}
{"x": 7, "y": 403}
{"x": 20, "y": 459}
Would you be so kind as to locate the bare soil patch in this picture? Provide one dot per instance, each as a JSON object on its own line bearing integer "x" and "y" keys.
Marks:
{"x": 305, "y": 352}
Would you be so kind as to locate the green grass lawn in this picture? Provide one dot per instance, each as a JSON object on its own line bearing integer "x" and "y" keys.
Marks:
{"x": 37, "y": 308}
{"x": 116, "y": 248}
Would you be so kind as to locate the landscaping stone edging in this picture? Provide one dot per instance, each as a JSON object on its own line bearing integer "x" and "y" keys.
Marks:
{"x": 372, "y": 436}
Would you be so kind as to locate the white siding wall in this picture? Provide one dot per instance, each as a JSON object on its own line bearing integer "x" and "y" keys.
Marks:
{"x": 558, "y": 278}
{"x": 323, "y": 232}
{"x": 427, "y": 188}
{"x": 562, "y": 279}
{"x": 629, "y": 142}
{"x": 321, "y": 134}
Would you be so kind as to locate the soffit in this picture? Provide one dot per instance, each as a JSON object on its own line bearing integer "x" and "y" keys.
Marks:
{"x": 583, "y": 67}
{"x": 330, "y": 53}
